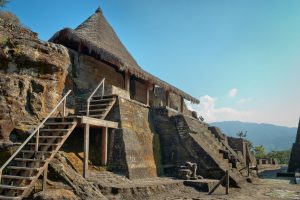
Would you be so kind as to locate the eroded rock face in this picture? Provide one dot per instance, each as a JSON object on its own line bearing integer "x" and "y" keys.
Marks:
{"x": 32, "y": 79}
{"x": 84, "y": 189}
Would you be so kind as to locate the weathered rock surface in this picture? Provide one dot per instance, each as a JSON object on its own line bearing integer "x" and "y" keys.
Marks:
{"x": 54, "y": 194}
{"x": 32, "y": 79}
{"x": 63, "y": 170}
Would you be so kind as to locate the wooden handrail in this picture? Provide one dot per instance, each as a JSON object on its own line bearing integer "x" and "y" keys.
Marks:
{"x": 35, "y": 131}
{"x": 93, "y": 93}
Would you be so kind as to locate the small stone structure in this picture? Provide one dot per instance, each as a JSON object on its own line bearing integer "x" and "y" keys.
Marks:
{"x": 294, "y": 162}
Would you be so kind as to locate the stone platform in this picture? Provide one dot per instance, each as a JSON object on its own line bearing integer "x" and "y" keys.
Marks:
{"x": 117, "y": 185}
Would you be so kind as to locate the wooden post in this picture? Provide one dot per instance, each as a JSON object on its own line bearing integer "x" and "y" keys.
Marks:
{"x": 148, "y": 94}
{"x": 127, "y": 81}
{"x": 64, "y": 108}
{"x": 227, "y": 182}
{"x": 167, "y": 99}
{"x": 104, "y": 146}
{"x": 86, "y": 150}
{"x": 181, "y": 104}
{"x": 223, "y": 179}
{"x": 37, "y": 140}
{"x": 248, "y": 168}
{"x": 44, "y": 187}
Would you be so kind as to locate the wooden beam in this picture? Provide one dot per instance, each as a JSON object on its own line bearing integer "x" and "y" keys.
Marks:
{"x": 148, "y": 86}
{"x": 86, "y": 150}
{"x": 167, "y": 98}
{"x": 181, "y": 104}
{"x": 227, "y": 182}
{"x": 45, "y": 177}
{"x": 104, "y": 146}
{"x": 127, "y": 81}
{"x": 99, "y": 122}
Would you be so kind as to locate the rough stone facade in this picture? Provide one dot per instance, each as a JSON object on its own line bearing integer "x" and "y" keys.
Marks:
{"x": 32, "y": 79}
{"x": 134, "y": 148}
{"x": 239, "y": 145}
{"x": 184, "y": 139}
{"x": 294, "y": 162}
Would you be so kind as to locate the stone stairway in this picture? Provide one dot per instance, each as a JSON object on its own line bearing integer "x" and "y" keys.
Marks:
{"x": 221, "y": 153}
{"x": 99, "y": 106}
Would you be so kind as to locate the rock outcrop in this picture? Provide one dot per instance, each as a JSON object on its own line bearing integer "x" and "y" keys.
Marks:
{"x": 32, "y": 79}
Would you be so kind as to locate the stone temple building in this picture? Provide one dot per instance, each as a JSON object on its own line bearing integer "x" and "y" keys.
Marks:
{"x": 294, "y": 163}
{"x": 118, "y": 115}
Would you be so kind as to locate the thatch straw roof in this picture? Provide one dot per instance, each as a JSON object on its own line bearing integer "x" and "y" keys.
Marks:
{"x": 95, "y": 37}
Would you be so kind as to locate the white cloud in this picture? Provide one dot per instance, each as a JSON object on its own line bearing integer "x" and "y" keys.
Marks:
{"x": 232, "y": 93}
{"x": 271, "y": 113}
{"x": 207, "y": 109}
{"x": 243, "y": 101}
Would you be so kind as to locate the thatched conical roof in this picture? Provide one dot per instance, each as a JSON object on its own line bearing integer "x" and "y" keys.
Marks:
{"x": 95, "y": 37}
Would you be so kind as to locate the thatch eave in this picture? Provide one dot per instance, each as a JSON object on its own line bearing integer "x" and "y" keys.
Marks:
{"x": 69, "y": 38}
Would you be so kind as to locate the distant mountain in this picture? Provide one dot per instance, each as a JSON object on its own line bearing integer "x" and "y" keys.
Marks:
{"x": 271, "y": 136}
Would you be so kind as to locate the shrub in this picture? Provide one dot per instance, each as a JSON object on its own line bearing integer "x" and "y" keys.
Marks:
{"x": 9, "y": 17}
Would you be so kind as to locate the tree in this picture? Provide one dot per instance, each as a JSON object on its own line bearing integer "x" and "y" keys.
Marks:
{"x": 282, "y": 156}
{"x": 3, "y": 2}
{"x": 242, "y": 134}
{"x": 260, "y": 151}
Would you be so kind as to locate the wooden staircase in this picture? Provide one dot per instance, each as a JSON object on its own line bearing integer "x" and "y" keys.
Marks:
{"x": 21, "y": 171}
{"x": 24, "y": 167}
{"x": 98, "y": 105}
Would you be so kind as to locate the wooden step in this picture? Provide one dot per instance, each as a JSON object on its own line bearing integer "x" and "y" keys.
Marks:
{"x": 98, "y": 105}
{"x": 93, "y": 110}
{"x": 104, "y": 97}
{"x": 31, "y": 151}
{"x": 22, "y": 168}
{"x": 54, "y": 130}
{"x": 42, "y": 144}
{"x": 12, "y": 187}
{"x": 59, "y": 123}
{"x": 16, "y": 177}
{"x": 51, "y": 137}
{"x": 29, "y": 160}
{"x": 9, "y": 198}
{"x": 102, "y": 100}
{"x": 96, "y": 116}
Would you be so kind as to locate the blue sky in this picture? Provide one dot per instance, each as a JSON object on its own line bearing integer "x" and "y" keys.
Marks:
{"x": 205, "y": 47}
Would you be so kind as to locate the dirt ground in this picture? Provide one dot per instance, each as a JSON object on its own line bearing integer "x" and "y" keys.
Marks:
{"x": 267, "y": 187}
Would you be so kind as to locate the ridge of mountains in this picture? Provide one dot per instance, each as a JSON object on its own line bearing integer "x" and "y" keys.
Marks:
{"x": 272, "y": 137}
